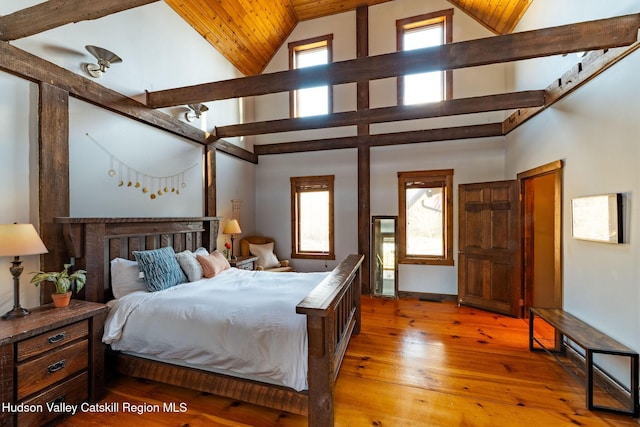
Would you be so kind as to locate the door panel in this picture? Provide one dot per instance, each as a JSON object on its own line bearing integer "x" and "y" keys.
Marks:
{"x": 489, "y": 246}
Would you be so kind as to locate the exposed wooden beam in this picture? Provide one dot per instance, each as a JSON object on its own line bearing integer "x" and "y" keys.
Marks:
{"x": 591, "y": 66}
{"x": 55, "y": 13}
{"x": 586, "y": 36}
{"x": 433, "y": 135}
{"x": 232, "y": 150}
{"x": 480, "y": 104}
{"x": 25, "y": 65}
{"x": 379, "y": 140}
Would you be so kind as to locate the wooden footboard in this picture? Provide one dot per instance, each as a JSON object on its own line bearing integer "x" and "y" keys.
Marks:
{"x": 332, "y": 309}
{"x": 333, "y": 315}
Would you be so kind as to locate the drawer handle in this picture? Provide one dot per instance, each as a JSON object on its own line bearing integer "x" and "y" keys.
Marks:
{"x": 56, "y": 366}
{"x": 57, "y": 338}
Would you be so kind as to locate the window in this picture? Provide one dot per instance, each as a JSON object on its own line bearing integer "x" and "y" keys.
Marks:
{"x": 426, "y": 217}
{"x": 418, "y": 32}
{"x": 307, "y": 53}
{"x": 312, "y": 217}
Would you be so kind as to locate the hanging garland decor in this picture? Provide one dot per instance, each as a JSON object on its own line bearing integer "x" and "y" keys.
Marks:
{"x": 154, "y": 186}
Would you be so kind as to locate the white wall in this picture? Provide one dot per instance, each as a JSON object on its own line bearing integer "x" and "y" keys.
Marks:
{"x": 473, "y": 161}
{"x": 595, "y": 131}
{"x": 159, "y": 50}
{"x": 18, "y": 151}
{"x": 97, "y": 143}
{"x": 273, "y": 201}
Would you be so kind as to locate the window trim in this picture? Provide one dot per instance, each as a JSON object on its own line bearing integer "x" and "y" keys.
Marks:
{"x": 308, "y": 44}
{"x": 311, "y": 181}
{"x": 432, "y": 176}
{"x": 443, "y": 16}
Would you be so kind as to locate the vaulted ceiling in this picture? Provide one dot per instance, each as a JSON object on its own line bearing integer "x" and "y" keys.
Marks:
{"x": 249, "y": 32}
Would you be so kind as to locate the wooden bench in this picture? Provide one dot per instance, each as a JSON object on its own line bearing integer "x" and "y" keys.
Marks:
{"x": 570, "y": 332}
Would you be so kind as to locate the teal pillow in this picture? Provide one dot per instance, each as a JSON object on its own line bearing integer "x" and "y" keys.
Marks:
{"x": 160, "y": 267}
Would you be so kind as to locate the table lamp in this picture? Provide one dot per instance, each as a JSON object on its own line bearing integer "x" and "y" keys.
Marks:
{"x": 232, "y": 227}
{"x": 17, "y": 240}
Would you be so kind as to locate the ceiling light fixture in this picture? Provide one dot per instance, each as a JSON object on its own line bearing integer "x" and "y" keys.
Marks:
{"x": 197, "y": 110}
{"x": 105, "y": 59}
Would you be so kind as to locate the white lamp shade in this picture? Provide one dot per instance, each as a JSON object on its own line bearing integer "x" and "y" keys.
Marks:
{"x": 232, "y": 227}
{"x": 20, "y": 239}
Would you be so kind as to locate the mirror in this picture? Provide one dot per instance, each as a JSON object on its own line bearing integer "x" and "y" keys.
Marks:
{"x": 384, "y": 264}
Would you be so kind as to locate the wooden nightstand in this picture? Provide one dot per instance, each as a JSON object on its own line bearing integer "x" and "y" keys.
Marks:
{"x": 244, "y": 262}
{"x": 53, "y": 355}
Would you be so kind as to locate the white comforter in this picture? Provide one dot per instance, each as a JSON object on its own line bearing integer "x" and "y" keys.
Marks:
{"x": 241, "y": 321}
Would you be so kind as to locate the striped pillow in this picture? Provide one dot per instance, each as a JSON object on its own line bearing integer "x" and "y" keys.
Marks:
{"x": 160, "y": 267}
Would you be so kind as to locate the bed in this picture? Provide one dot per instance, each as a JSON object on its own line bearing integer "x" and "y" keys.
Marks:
{"x": 332, "y": 310}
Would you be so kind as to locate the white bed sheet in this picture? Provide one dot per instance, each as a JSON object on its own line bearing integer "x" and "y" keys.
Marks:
{"x": 240, "y": 321}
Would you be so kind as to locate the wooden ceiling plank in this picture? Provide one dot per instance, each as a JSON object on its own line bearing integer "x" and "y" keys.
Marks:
{"x": 592, "y": 65}
{"x": 516, "y": 16}
{"x": 212, "y": 21}
{"x": 481, "y": 104}
{"x": 278, "y": 20}
{"x": 209, "y": 20}
{"x": 55, "y": 13}
{"x": 312, "y": 9}
{"x": 249, "y": 22}
{"x": 586, "y": 36}
{"x": 380, "y": 140}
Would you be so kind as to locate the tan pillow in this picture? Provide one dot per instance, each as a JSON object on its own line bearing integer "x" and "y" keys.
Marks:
{"x": 213, "y": 264}
{"x": 266, "y": 257}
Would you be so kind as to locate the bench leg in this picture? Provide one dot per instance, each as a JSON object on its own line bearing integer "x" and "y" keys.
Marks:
{"x": 634, "y": 386}
{"x": 589, "y": 362}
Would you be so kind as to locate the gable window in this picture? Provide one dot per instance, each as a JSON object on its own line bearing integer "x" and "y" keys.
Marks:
{"x": 419, "y": 32}
{"x": 312, "y": 217}
{"x": 307, "y": 53}
{"x": 426, "y": 217}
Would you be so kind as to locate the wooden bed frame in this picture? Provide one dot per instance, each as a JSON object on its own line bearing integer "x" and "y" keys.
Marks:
{"x": 332, "y": 309}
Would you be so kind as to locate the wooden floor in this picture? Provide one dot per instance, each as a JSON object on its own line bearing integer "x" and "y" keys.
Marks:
{"x": 414, "y": 364}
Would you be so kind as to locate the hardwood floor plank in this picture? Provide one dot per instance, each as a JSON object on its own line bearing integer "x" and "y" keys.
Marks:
{"x": 414, "y": 364}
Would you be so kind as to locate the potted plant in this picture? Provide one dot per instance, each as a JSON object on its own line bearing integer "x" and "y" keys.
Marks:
{"x": 64, "y": 283}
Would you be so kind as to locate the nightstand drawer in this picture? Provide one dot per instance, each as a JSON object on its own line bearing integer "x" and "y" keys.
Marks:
{"x": 52, "y": 339}
{"x": 73, "y": 392}
{"x": 39, "y": 373}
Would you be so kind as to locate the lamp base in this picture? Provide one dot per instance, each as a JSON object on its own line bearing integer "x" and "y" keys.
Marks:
{"x": 15, "y": 313}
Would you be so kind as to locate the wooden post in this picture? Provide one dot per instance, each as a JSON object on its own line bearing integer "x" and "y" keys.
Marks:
{"x": 53, "y": 178}
{"x": 364, "y": 151}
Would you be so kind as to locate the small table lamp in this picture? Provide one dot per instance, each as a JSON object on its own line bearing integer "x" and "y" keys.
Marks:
{"x": 16, "y": 240}
{"x": 232, "y": 227}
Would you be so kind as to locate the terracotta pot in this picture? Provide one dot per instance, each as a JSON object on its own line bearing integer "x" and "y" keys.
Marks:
{"x": 61, "y": 300}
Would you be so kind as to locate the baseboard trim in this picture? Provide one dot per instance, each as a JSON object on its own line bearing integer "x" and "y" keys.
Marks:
{"x": 430, "y": 297}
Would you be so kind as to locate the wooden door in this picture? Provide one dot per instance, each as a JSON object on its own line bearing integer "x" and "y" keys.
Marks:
{"x": 489, "y": 265}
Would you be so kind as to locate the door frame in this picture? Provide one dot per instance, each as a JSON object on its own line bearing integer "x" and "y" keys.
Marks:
{"x": 372, "y": 264}
{"x": 555, "y": 168}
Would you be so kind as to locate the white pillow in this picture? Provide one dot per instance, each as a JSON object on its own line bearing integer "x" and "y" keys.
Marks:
{"x": 189, "y": 265}
{"x": 201, "y": 251}
{"x": 125, "y": 277}
{"x": 266, "y": 257}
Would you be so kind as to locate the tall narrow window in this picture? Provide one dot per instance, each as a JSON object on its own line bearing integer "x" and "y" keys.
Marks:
{"x": 418, "y": 32}
{"x": 312, "y": 217}
{"x": 311, "y": 101}
{"x": 426, "y": 217}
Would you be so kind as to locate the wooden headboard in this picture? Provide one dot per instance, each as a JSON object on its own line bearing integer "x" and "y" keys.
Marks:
{"x": 93, "y": 242}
